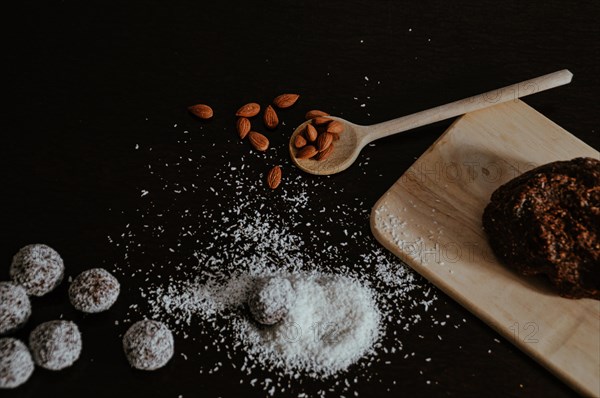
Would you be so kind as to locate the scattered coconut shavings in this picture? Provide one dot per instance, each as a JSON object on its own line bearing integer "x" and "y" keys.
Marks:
{"x": 271, "y": 299}
{"x": 333, "y": 323}
{"x": 194, "y": 257}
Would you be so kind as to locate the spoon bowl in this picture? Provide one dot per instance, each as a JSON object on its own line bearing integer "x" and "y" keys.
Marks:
{"x": 355, "y": 137}
{"x": 345, "y": 150}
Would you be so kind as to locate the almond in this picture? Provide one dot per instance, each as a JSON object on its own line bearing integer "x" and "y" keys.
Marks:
{"x": 335, "y": 136}
{"x": 307, "y": 152}
{"x": 320, "y": 120}
{"x": 243, "y": 127}
{"x": 285, "y": 100}
{"x": 274, "y": 177}
{"x": 324, "y": 141}
{"x": 315, "y": 113}
{"x": 270, "y": 117}
{"x": 335, "y": 127}
{"x": 325, "y": 153}
{"x": 249, "y": 110}
{"x": 202, "y": 111}
{"x": 258, "y": 141}
{"x": 311, "y": 133}
{"x": 299, "y": 141}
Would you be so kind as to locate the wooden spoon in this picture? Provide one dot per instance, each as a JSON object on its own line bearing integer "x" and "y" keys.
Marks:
{"x": 355, "y": 137}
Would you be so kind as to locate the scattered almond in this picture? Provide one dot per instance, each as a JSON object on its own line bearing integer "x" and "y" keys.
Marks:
{"x": 285, "y": 100}
{"x": 249, "y": 110}
{"x": 243, "y": 127}
{"x": 299, "y": 141}
{"x": 335, "y": 127}
{"x": 270, "y": 117}
{"x": 324, "y": 141}
{"x": 201, "y": 110}
{"x": 258, "y": 141}
{"x": 315, "y": 113}
{"x": 324, "y": 154}
{"x": 320, "y": 120}
{"x": 311, "y": 133}
{"x": 274, "y": 177}
{"x": 306, "y": 152}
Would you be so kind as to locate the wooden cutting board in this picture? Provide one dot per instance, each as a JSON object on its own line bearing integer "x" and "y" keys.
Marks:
{"x": 431, "y": 219}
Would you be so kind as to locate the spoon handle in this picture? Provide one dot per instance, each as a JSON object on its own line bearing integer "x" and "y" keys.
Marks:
{"x": 470, "y": 104}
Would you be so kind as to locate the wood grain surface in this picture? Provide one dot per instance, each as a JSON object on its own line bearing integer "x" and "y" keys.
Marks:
{"x": 431, "y": 219}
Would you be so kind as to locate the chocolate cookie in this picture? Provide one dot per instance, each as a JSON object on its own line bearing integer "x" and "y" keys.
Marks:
{"x": 547, "y": 221}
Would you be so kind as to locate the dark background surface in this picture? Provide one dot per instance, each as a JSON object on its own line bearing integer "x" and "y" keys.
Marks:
{"x": 86, "y": 81}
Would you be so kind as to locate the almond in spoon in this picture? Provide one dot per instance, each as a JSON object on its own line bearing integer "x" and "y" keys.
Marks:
{"x": 324, "y": 141}
{"x": 324, "y": 154}
{"x": 306, "y": 152}
{"x": 335, "y": 127}
{"x": 315, "y": 113}
{"x": 320, "y": 120}
{"x": 311, "y": 133}
{"x": 299, "y": 141}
